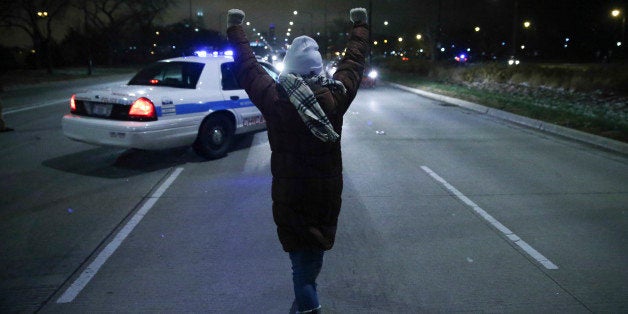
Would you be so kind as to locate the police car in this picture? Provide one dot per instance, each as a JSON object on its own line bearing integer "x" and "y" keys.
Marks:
{"x": 171, "y": 103}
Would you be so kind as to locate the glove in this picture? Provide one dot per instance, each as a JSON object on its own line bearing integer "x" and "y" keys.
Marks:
{"x": 358, "y": 15}
{"x": 235, "y": 17}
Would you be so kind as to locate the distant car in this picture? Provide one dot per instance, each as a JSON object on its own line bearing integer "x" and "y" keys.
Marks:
{"x": 331, "y": 67}
{"x": 513, "y": 61}
{"x": 277, "y": 59}
{"x": 461, "y": 58}
{"x": 171, "y": 103}
{"x": 369, "y": 79}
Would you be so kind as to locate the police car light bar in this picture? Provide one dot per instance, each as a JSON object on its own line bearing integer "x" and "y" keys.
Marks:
{"x": 204, "y": 54}
{"x": 201, "y": 53}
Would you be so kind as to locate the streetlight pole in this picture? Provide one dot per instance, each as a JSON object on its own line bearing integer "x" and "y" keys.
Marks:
{"x": 89, "y": 50}
{"x": 220, "y": 25}
{"x": 623, "y": 26}
{"x": 438, "y": 33}
{"x": 515, "y": 26}
{"x": 326, "y": 36}
{"x": 370, "y": 20}
{"x": 617, "y": 12}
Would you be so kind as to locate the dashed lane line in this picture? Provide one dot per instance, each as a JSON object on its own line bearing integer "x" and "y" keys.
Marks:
{"x": 79, "y": 284}
{"x": 46, "y": 104}
{"x": 536, "y": 255}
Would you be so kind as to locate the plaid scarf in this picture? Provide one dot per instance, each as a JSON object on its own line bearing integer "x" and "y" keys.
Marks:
{"x": 302, "y": 97}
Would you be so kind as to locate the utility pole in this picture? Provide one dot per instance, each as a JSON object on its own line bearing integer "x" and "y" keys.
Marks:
{"x": 515, "y": 26}
{"x": 326, "y": 41}
{"x": 623, "y": 28}
{"x": 89, "y": 49}
{"x": 190, "y": 12}
{"x": 437, "y": 36}
{"x": 370, "y": 31}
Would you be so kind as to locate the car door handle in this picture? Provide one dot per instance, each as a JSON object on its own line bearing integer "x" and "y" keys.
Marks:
{"x": 235, "y": 97}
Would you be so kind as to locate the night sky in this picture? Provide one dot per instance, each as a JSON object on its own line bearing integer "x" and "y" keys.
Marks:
{"x": 584, "y": 22}
{"x": 410, "y": 15}
{"x": 262, "y": 13}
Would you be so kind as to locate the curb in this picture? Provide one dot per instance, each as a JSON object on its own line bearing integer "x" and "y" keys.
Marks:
{"x": 579, "y": 136}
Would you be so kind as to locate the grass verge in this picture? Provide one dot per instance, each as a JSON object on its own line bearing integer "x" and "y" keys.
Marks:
{"x": 588, "y": 112}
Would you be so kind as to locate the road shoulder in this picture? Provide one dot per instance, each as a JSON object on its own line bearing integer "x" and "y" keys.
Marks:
{"x": 582, "y": 137}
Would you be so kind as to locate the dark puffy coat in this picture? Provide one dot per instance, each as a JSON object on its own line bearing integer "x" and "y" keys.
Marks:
{"x": 307, "y": 172}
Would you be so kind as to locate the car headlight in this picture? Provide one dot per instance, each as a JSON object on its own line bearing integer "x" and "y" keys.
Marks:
{"x": 279, "y": 66}
{"x": 373, "y": 74}
{"x": 332, "y": 70}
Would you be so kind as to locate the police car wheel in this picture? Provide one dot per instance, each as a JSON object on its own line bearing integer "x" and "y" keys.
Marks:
{"x": 214, "y": 137}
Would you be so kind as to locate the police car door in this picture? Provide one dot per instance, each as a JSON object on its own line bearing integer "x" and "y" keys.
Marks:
{"x": 248, "y": 117}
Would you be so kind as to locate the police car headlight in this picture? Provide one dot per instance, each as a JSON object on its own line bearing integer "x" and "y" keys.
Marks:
{"x": 373, "y": 74}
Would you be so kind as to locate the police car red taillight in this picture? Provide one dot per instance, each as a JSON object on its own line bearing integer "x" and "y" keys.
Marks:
{"x": 143, "y": 109}
{"x": 72, "y": 103}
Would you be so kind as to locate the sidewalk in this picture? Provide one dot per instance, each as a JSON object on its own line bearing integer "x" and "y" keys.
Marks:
{"x": 23, "y": 96}
{"x": 67, "y": 82}
{"x": 582, "y": 137}
{"x": 25, "y": 79}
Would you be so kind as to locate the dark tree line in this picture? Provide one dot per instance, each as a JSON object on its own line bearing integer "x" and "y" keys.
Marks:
{"x": 112, "y": 26}
{"x": 37, "y": 18}
{"x": 102, "y": 32}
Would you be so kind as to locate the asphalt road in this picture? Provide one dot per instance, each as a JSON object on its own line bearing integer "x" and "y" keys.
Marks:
{"x": 444, "y": 210}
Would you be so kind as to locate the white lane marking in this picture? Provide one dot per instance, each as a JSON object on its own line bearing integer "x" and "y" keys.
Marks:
{"x": 46, "y": 104}
{"x": 498, "y": 225}
{"x": 77, "y": 286}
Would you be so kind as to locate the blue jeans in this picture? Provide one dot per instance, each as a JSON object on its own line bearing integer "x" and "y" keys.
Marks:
{"x": 306, "y": 265}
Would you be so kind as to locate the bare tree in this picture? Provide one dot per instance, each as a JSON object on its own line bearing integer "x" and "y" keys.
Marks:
{"x": 146, "y": 12}
{"x": 105, "y": 19}
{"x": 117, "y": 20}
{"x": 37, "y": 18}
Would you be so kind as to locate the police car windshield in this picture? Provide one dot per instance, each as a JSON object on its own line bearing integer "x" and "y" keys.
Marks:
{"x": 172, "y": 74}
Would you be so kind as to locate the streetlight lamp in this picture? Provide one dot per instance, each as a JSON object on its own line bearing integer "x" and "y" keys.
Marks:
{"x": 527, "y": 24}
{"x": 477, "y": 29}
{"x": 615, "y": 12}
